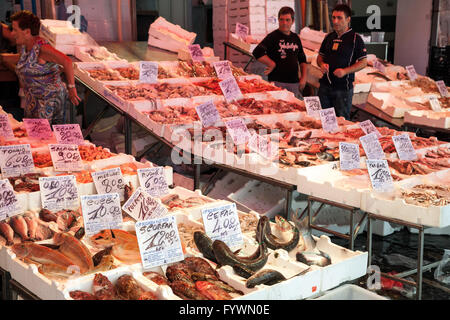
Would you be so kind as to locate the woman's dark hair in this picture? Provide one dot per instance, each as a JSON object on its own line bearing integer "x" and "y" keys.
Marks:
{"x": 286, "y": 10}
{"x": 27, "y": 20}
{"x": 343, "y": 8}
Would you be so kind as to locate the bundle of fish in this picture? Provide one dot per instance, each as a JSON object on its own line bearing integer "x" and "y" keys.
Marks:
{"x": 125, "y": 288}
{"x": 194, "y": 278}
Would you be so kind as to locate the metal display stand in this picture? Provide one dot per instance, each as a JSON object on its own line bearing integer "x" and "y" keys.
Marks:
{"x": 5, "y": 277}
{"x": 18, "y": 290}
{"x": 353, "y": 231}
{"x": 420, "y": 267}
{"x": 244, "y": 52}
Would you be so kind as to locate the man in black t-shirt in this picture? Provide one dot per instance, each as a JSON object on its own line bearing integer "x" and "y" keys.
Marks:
{"x": 341, "y": 54}
{"x": 282, "y": 51}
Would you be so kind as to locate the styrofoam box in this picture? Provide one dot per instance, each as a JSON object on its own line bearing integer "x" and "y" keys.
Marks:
{"x": 390, "y": 206}
{"x": 259, "y": 197}
{"x": 350, "y": 292}
{"x": 85, "y": 283}
{"x": 109, "y": 95}
{"x": 428, "y": 118}
{"x": 346, "y": 265}
{"x": 398, "y": 88}
{"x": 390, "y": 104}
{"x": 246, "y": 3}
{"x": 102, "y": 53}
{"x": 62, "y": 33}
{"x": 434, "y": 231}
{"x": 319, "y": 181}
{"x": 233, "y": 39}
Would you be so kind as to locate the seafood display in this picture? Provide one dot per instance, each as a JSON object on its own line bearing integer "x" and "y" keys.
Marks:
{"x": 103, "y": 75}
{"x": 247, "y": 86}
{"x": 158, "y": 91}
{"x": 427, "y": 195}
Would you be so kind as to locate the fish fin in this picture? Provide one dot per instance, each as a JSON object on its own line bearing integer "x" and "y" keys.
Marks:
{"x": 237, "y": 251}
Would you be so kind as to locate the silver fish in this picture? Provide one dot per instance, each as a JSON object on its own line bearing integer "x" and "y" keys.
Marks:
{"x": 325, "y": 156}
{"x": 311, "y": 254}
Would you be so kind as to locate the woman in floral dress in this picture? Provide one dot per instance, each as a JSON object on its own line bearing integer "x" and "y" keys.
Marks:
{"x": 39, "y": 72}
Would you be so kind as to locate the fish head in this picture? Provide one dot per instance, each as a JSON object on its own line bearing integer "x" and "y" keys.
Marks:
{"x": 282, "y": 224}
{"x": 20, "y": 249}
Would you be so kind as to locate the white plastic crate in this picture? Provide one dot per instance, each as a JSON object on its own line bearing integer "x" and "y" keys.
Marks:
{"x": 350, "y": 292}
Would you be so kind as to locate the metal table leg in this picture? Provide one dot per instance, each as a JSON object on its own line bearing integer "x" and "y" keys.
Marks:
{"x": 420, "y": 263}
{"x": 97, "y": 119}
{"x": 352, "y": 236}
{"x": 128, "y": 135}
{"x": 369, "y": 241}
{"x": 197, "y": 169}
{"x": 288, "y": 205}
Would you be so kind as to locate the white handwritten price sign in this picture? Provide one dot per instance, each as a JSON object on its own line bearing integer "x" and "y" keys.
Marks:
{"x": 208, "y": 114}
{"x": 223, "y": 69}
{"x": 100, "y": 212}
{"x": 59, "y": 193}
{"x": 411, "y": 71}
{"x": 153, "y": 181}
{"x": 66, "y": 157}
{"x": 68, "y": 134}
{"x": 9, "y": 204}
{"x": 442, "y": 88}
{"x": 159, "y": 242}
{"x": 380, "y": 176}
{"x": 404, "y": 147}
{"x": 264, "y": 146}
{"x": 222, "y": 223}
{"x": 238, "y": 131}
{"x": 372, "y": 147}
{"x": 5, "y": 127}
{"x": 379, "y": 66}
{"x": 109, "y": 181}
{"x": 368, "y": 127}
{"x": 241, "y": 31}
{"x": 230, "y": 89}
{"x": 329, "y": 120}
{"x": 313, "y": 106}
{"x": 196, "y": 53}
{"x": 142, "y": 206}
{"x": 349, "y": 156}
{"x": 38, "y": 129}
{"x": 148, "y": 72}
{"x": 16, "y": 160}
{"x": 435, "y": 104}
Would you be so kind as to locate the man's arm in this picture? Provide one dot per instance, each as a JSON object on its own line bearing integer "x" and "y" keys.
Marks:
{"x": 260, "y": 54}
{"x": 268, "y": 62}
{"x": 304, "y": 74}
{"x": 359, "y": 65}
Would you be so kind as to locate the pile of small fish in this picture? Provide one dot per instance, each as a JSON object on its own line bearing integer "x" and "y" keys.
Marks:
{"x": 427, "y": 195}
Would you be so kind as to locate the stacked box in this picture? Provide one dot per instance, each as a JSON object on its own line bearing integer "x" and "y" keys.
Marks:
{"x": 251, "y": 13}
{"x": 272, "y": 8}
{"x": 220, "y": 26}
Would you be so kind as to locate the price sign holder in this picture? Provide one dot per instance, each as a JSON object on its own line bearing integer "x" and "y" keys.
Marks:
{"x": 148, "y": 72}
{"x": 313, "y": 106}
{"x": 404, "y": 147}
{"x": 208, "y": 114}
{"x": 153, "y": 181}
{"x": 16, "y": 160}
{"x": 109, "y": 181}
{"x": 242, "y": 31}
{"x": 435, "y": 104}
{"x": 100, "y": 212}
{"x": 349, "y": 156}
{"x": 230, "y": 89}
{"x": 38, "y": 129}
{"x": 9, "y": 204}
{"x": 66, "y": 157}
{"x": 329, "y": 120}
{"x": 380, "y": 176}
{"x": 372, "y": 147}
{"x": 142, "y": 206}
{"x": 5, "y": 127}
{"x": 68, "y": 134}
{"x": 196, "y": 53}
{"x": 159, "y": 242}
{"x": 368, "y": 127}
{"x": 58, "y": 193}
{"x": 222, "y": 223}
{"x": 223, "y": 69}
{"x": 238, "y": 131}
{"x": 442, "y": 88}
{"x": 412, "y": 74}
